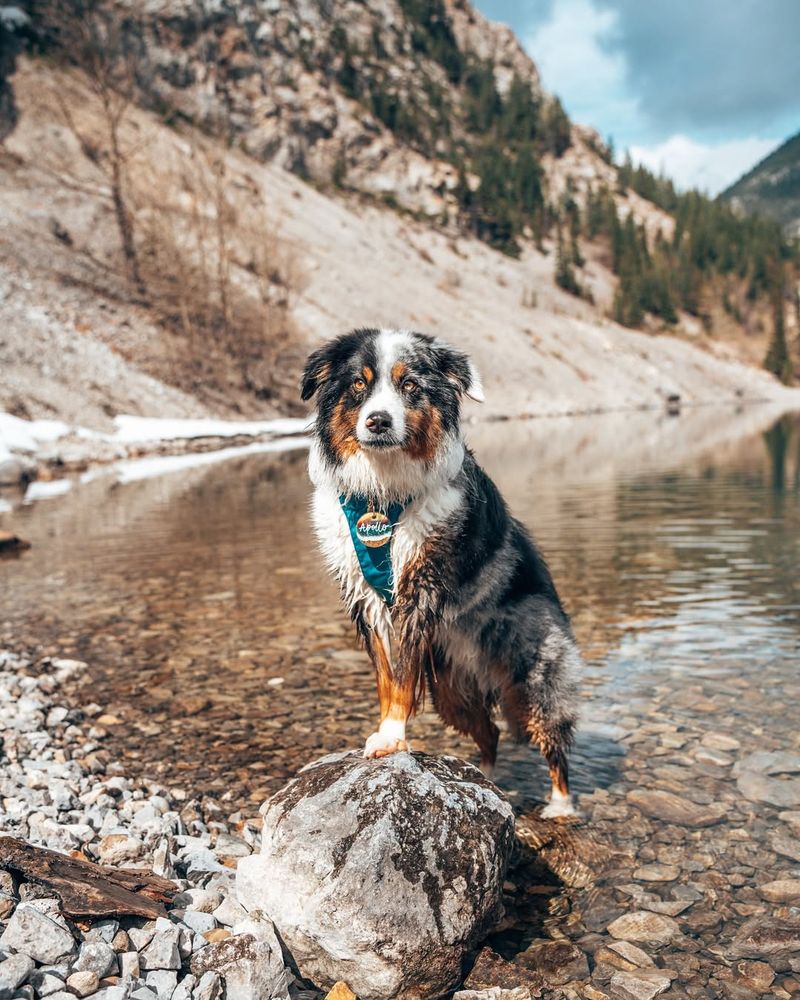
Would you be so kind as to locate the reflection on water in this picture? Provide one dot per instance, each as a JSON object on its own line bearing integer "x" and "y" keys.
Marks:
{"x": 200, "y": 603}
{"x": 212, "y": 630}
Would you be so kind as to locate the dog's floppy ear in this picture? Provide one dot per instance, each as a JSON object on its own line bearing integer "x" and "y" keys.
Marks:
{"x": 317, "y": 369}
{"x": 322, "y": 362}
{"x": 458, "y": 368}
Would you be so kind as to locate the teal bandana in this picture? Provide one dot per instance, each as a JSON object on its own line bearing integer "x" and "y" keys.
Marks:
{"x": 375, "y": 562}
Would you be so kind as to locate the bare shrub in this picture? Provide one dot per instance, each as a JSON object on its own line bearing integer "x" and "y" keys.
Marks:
{"x": 216, "y": 270}
{"x": 104, "y": 46}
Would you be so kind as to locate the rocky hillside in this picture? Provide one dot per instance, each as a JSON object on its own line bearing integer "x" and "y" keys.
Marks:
{"x": 191, "y": 197}
{"x": 772, "y": 187}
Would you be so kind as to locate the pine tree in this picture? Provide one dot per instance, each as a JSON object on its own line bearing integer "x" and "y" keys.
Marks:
{"x": 565, "y": 274}
{"x": 556, "y": 129}
{"x": 777, "y": 359}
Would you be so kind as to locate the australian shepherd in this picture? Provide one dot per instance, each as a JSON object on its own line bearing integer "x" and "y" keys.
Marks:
{"x": 444, "y": 585}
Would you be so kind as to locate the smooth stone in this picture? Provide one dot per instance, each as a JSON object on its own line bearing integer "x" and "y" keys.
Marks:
{"x": 632, "y": 954}
{"x": 83, "y": 982}
{"x": 657, "y": 873}
{"x": 119, "y": 849}
{"x": 671, "y": 808}
{"x": 715, "y": 757}
{"x": 755, "y": 778}
{"x": 720, "y": 741}
{"x": 786, "y": 846}
{"x": 643, "y": 925}
{"x": 756, "y": 787}
{"x": 640, "y": 985}
{"x": 782, "y": 890}
{"x": 33, "y": 933}
{"x": 494, "y": 993}
{"x": 340, "y": 991}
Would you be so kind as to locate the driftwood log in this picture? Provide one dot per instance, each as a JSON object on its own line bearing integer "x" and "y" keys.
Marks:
{"x": 87, "y": 890}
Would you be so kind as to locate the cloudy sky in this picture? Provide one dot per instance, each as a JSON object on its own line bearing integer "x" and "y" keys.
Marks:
{"x": 701, "y": 88}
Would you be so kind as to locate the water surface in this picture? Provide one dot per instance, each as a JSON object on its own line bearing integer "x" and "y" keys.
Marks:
{"x": 212, "y": 631}
{"x": 201, "y": 604}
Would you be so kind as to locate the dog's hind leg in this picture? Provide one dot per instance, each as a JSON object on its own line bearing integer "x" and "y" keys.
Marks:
{"x": 461, "y": 704}
{"x": 539, "y": 709}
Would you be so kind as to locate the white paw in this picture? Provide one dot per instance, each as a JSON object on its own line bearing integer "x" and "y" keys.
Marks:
{"x": 559, "y": 805}
{"x": 382, "y": 744}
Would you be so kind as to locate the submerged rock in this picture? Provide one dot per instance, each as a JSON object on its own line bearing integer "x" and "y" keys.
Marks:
{"x": 766, "y": 937}
{"x": 382, "y": 873}
{"x": 673, "y": 809}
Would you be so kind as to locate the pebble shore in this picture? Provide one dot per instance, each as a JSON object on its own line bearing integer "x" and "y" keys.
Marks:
{"x": 61, "y": 790}
{"x": 660, "y": 892}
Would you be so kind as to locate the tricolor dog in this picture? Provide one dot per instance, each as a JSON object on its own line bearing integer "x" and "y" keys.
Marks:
{"x": 444, "y": 585}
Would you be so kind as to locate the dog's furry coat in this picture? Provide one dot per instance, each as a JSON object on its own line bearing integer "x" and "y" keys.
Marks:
{"x": 475, "y": 611}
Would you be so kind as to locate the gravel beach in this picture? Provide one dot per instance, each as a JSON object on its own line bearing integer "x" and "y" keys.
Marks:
{"x": 61, "y": 790}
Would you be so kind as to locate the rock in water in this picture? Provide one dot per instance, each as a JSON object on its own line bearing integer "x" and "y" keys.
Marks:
{"x": 382, "y": 873}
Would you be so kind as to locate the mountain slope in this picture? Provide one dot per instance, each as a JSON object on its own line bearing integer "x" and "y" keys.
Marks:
{"x": 540, "y": 350}
{"x": 772, "y": 187}
{"x": 172, "y": 130}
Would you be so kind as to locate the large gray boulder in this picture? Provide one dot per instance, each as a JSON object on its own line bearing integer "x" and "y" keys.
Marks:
{"x": 381, "y": 873}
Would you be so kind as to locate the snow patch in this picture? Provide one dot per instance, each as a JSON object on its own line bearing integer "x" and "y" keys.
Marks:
{"x": 26, "y": 435}
{"x": 45, "y": 489}
{"x": 130, "y": 430}
{"x": 145, "y": 468}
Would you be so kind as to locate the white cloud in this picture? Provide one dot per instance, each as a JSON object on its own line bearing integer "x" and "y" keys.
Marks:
{"x": 571, "y": 51}
{"x": 711, "y": 167}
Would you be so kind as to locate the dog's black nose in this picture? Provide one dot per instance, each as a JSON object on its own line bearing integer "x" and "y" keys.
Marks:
{"x": 378, "y": 422}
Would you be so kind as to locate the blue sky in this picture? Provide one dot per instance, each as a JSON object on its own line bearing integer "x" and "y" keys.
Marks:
{"x": 701, "y": 88}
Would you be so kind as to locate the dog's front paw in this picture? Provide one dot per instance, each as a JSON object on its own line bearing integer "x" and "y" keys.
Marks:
{"x": 558, "y": 806}
{"x": 383, "y": 744}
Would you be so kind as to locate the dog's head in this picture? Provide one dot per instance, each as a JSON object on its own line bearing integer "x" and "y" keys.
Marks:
{"x": 384, "y": 391}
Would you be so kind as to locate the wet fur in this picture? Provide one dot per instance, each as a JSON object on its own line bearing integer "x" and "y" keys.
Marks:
{"x": 476, "y": 614}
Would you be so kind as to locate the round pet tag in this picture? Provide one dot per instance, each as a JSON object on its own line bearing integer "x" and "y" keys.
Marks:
{"x": 374, "y": 529}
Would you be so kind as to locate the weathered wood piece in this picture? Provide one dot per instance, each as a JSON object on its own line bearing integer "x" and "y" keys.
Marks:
{"x": 87, "y": 890}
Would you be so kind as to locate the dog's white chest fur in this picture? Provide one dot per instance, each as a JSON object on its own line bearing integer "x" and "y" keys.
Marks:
{"x": 419, "y": 522}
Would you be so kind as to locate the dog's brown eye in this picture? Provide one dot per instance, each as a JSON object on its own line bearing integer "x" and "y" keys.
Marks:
{"x": 359, "y": 385}
{"x": 410, "y": 385}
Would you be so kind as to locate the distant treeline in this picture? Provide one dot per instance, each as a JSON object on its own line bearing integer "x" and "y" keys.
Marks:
{"x": 497, "y": 142}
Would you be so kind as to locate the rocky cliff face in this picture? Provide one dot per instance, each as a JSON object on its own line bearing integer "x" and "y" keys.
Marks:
{"x": 371, "y": 96}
